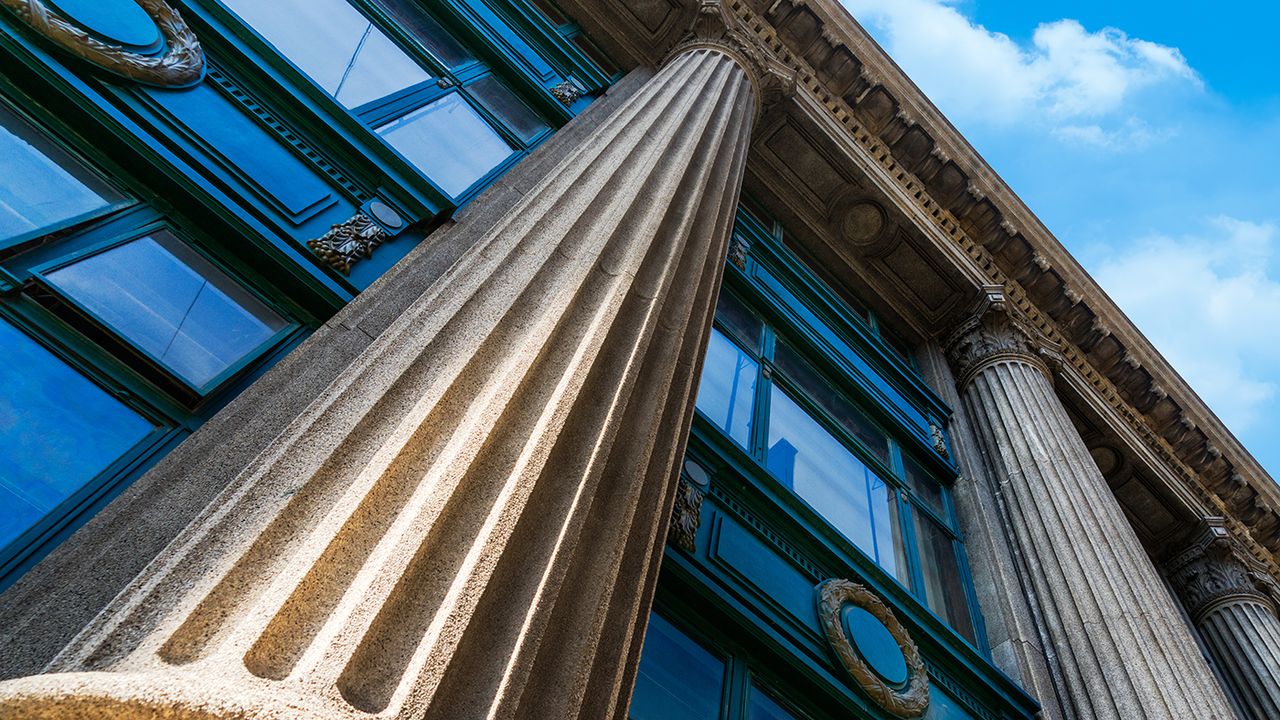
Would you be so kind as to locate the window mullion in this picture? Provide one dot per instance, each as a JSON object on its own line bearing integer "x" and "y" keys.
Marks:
{"x": 764, "y": 385}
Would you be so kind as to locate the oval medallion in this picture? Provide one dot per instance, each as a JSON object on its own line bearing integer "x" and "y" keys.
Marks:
{"x": 122, "y": 22}
{"x": 104, "y": 32}
{"x": 873, "y": 647}
{"x": 876, "y": 645}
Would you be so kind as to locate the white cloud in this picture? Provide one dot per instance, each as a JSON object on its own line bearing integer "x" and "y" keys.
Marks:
{"x": 1131, "y": 134}
{"x": 1064, "y": 75}
{"x": 1210, "y": 302}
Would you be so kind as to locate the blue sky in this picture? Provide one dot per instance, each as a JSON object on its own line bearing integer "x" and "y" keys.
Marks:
{"x": 1147, "y": 138}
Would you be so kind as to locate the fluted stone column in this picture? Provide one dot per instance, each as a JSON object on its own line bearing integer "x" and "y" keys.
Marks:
{"x": 1236, "y": 621}
{"x": 468, "y": 523}
{"x": 1118, "y": 642}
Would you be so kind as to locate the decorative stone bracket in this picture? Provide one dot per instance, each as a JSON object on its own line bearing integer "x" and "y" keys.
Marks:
{"x": 349, "y": 242}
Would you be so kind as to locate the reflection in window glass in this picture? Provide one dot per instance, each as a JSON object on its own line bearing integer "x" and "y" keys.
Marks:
{"x": 448, "y": 141}
{"x": 943, "y": 583}
{"x": 40, "y": 185}
{"x": 806, "y": 458}
{"x": 57, "y": 432}
{"x": 678, "y": 679}
{"x": 738, "y": 320}
{"x": 826, "y": 396}
{"x": 500, "y": 101}
{"x": 335, "y": 45}
{"x": 923, "y": 486}
{"x": 173, "y": 304}
{"x": 438, "y": 41}
{"x": 763, "y": 707}
{"x": 727, "y": 390}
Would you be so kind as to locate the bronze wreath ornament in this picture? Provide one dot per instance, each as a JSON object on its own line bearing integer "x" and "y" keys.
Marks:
{"x": 178, "y": 63}
{"x": 908, "y": 700}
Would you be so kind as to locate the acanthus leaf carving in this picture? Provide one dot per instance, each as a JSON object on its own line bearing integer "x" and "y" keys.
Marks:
{"x": 1209, "y": 571}
{"x": 348, "y": 242}
{"x": 686, "y": 517}
{"x": 996, "y": 331}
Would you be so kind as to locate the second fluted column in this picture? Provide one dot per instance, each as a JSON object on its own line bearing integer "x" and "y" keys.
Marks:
{"x": 1121, "y": 648}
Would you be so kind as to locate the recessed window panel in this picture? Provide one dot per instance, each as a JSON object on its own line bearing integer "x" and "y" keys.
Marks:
{"x": 820, "y": 391}
{"x": 739, "y": 321}
{"x": 58, "y": 431}
{"x": 810, "y": 461}
{"x": 440, "y": 42}
{"x": 943, "y": 583}
{"x": 40, "y": 184}
{"x": 678, "y": 679}
{"x": 160, "y": 295}
{"x": 335, "y": 45}
{"x": 500, "y": 101}
{"x": 449, "y": 142}
{"x": 763, "y": 707}
{"x": 727, "y": 390}
{"x": 923, "y": 485}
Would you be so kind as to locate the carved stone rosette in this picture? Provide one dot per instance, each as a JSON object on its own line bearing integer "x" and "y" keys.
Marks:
{"x": 908, "y": 701}
{"x": 179, "y": 65}
{"x": 349, "y": 242}
{"x": 997, "y": 331}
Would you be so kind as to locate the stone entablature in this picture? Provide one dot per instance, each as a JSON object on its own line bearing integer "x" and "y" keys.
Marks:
{"x": 981, "y": 228}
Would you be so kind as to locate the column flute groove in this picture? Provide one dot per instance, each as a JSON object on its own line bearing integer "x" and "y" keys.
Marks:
{"x": 1115, "y": 635}
{"x": 468, "y": 522}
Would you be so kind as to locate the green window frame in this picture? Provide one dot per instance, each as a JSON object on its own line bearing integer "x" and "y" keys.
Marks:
{"x": 914, "y": 476}
{"x": 514, "y": 58}
{"x": 745, "y": 678}
{"x": 102, "y": 355}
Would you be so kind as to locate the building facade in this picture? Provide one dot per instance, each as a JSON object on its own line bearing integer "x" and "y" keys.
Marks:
{"x": 663, "y": 360}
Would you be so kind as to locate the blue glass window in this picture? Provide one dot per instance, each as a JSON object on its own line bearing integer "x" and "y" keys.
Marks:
{"x": 726, "y": 392}
{"x": 497, "y": 99}
{"x": 943, "y": 579}
{"x": 806, "y": 458}
{"x": 471, "y": 149}
{"x": 678, "y": 679}
{"x": 41, "y": 185}
{"x": 335, "y": 45}
{"x": 58, "y": 431}
{"x": 173, "y": 304}
{"x": 427, "y": 99}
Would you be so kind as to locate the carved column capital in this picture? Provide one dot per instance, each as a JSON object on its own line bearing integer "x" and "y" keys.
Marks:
{"x": 724, "y": 26}
{"x": 1208, "y": 572}
{"x": 995, "y": 331}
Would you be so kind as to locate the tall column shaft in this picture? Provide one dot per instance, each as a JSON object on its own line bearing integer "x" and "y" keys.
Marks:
{"x": 468, "y": 522}
{"x": 1121, "y": 649}
{"x": 1236, "y": 621}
